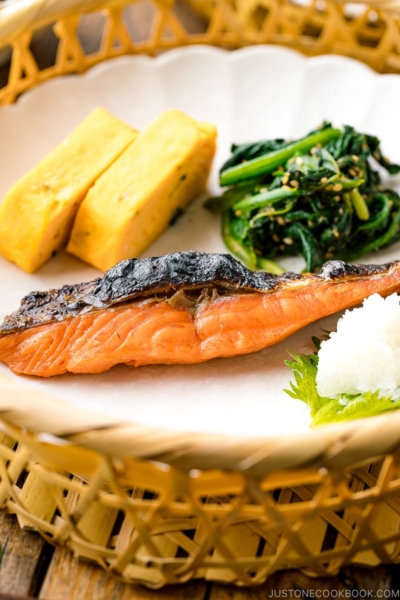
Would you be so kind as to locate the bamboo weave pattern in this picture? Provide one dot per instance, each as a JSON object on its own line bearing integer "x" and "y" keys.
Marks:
{"x": 128, "y": 497}
{"x": 224, "y": 527}
{"x": 370, "y": 33}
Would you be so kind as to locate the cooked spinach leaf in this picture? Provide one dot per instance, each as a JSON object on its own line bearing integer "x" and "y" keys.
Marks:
{"x": 319, "y": 196}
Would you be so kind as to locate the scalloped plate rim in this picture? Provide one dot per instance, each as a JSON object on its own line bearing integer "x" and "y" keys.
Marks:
{"x": 232, "y": 56}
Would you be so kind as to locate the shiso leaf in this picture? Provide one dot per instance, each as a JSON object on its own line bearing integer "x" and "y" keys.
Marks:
{"x": 323, "y": 410}
{"x": 305, "y": 388}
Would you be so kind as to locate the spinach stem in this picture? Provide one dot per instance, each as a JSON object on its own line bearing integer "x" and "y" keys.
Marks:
{"x": 264, "y": 199}
{"x": 359, "y": 204}
{"x": 270, "y": 266}
{"x": 384, "y": 239}
{"x": 246, "y": 255}
{"x": 347, "y": 200}
{"x": 272, "y": 160}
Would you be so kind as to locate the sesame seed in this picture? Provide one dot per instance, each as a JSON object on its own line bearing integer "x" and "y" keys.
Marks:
{"x": 336, "y": 233}
{"x": 288, "y": 241}
{"x": 355, "y": 158}
{"x": 337, "y": 187}
{"x": 281, "y": 221}
{"x": 285, "y": 179}
{"x": 299, "y": 161}
{"x": 294, "y": 183}
{"x": 324, "y": 180}
{"x": 276, "y": 238}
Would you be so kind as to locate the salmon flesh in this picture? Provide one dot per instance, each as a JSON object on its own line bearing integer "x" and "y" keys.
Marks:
{"x": 180, "y": 308}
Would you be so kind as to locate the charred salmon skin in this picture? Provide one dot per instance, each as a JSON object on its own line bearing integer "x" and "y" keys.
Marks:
{"x": 180, "y": 308}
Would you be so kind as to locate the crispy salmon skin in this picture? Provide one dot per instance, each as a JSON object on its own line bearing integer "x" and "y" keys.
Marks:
{"x": 180, "y": 308}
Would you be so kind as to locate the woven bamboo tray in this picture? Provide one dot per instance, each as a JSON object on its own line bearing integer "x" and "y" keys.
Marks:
{"x": 157, "y": 507}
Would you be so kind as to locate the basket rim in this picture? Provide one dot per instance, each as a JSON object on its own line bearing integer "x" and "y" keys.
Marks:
{"x": 332, "y": 446}
{"x": 18, "y": 17}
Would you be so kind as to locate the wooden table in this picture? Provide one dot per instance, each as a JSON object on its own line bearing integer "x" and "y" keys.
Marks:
{"x": 31, "y": 567}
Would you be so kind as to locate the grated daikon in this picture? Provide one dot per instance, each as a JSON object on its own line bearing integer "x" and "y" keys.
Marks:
{"x": 364, "y": 354}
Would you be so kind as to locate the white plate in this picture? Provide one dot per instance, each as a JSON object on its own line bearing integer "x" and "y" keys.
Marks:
{"x": 260, "y": 92}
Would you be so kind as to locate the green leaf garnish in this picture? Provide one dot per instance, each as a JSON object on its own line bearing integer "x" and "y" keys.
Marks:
{"x": 346, "y": 407}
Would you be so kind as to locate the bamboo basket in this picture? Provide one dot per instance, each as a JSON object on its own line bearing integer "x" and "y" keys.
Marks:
{"x": 157, "y": 507}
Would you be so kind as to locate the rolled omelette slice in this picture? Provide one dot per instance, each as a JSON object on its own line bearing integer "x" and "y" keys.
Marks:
{"x": 37, "y": 213}
{"x": 134, "y": 201}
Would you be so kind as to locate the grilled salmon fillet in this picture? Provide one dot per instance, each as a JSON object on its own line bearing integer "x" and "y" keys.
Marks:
{"x": 180, "y": 308}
